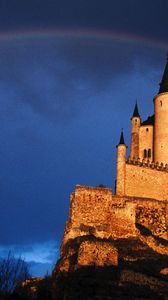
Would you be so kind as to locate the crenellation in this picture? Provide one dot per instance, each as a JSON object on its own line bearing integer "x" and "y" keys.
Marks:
{"x": 148, "y": 164}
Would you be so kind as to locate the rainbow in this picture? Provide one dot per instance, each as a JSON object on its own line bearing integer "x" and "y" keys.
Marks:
{"x": 103, "y": 35}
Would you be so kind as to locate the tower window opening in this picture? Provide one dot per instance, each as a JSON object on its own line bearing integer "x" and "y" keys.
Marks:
{"x": 145, "y": 153}
{"x": 160, "y": 103}
{"x": 147, "y": 129}
{"x": 149, "y": 152}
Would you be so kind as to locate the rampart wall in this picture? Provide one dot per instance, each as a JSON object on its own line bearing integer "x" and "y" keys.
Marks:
{"x": 95, "y": 211}
{"x": 150, "y": 181}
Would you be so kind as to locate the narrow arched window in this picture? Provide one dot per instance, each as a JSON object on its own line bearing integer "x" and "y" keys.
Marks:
{"x": 145, "y": 153}
{"x": 149, "y": 152}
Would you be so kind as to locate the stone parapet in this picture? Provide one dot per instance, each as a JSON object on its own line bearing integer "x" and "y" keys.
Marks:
{"x": 148, "y": 164}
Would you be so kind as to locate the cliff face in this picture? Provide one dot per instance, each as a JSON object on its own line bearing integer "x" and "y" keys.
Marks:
{"x": 113, "y": 248}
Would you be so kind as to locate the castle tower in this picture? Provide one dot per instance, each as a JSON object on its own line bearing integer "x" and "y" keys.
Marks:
{"x": 121, "y": 166}
{"x": 161, "y": 121}
{"x": 136, "y": 122}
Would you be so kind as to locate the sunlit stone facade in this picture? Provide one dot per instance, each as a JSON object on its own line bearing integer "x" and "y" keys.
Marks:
{"x": 145, "y": 172}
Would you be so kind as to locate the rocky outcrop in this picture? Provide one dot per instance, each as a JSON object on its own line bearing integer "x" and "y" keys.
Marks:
{"x": 113, "y": 248}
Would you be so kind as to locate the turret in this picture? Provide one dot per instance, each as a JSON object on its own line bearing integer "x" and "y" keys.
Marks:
{"x": 161, "y": 120}
{"x": 121, "y": 165}
{"x": 136, "y": 122}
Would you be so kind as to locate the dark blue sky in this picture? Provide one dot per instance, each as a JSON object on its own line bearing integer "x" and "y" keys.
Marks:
{"x": 64, "y": 99}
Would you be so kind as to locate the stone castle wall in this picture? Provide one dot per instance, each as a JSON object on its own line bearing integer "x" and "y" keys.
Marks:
{"x": 95, "y": 211}
{"x": 142, "y": 181}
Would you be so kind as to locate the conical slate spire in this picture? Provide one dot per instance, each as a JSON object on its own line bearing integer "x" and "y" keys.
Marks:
{"x": 164, "y": 82}
{"x": 121, "y": 142}
{"x": 136, "y": 112}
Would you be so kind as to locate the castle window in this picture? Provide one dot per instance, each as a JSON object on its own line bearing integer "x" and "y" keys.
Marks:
{"x": 145, "y": 153}
{"x": 160, "y": 103}
{"x": 147, "y": 129}
{"x": 149, "y": 152}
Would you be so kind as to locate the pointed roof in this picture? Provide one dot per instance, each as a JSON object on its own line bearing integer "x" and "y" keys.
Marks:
{"x": 121, "y": 142}
{"x": 164, "y": 82}
{"x": 136, "y": 112}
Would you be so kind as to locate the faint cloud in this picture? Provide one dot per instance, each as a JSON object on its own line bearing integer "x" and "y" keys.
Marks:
{"x": 41, "y": 257}
{"x": 56, "y": 78}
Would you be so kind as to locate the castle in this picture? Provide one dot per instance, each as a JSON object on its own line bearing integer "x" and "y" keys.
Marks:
{"x": 145, "y": 173}
{"x": 124, "y": 233}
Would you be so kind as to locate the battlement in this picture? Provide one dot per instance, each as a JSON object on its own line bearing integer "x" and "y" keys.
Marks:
{"x": 146, "y": 163}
